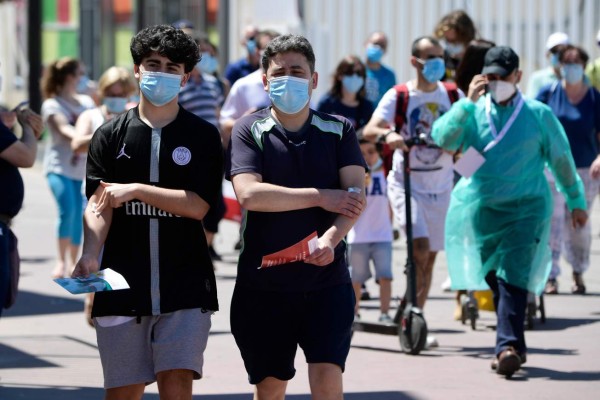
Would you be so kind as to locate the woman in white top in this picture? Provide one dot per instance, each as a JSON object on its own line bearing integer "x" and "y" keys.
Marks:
{"x": 64, "y": 168}
{"x": 115, "y": 87}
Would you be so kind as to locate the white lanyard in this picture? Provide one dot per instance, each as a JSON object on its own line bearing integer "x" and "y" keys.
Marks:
{"x": 499, "y": 136}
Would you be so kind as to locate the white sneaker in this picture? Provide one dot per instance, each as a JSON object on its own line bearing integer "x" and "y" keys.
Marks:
{"x": 446, "y": 285}
{"x": 431, "y": 342}
{"x": 385, "y": 319}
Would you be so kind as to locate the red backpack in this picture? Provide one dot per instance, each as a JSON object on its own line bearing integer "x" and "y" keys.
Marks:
{"x": 402, "y": 99}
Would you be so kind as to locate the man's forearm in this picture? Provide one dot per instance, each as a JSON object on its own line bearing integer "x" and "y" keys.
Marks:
{"x": 30, "y": 141}
{"x": 179, "y": 202}
{"x": 340, "y": 228}
{"x": 267, "y": 197}
{"x": 95, "y": 229}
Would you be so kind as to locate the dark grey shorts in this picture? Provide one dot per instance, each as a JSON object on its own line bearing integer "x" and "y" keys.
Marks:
{"x": 133, "y": 353}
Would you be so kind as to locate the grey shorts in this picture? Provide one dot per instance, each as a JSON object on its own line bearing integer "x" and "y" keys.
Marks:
{"x": 133, "y": 353}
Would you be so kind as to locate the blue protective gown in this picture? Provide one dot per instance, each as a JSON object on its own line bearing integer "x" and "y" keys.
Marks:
{"x": 499, "y": 218}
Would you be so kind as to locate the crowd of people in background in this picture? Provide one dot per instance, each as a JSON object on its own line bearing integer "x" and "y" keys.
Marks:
{"x": 465, "y": 95}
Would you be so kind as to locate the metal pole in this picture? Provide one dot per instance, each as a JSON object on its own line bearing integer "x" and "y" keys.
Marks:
{"x": 223, "y": 27}
{"x": 34, "y": 53}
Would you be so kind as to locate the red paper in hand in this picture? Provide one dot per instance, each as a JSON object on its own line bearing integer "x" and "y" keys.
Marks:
{"x": 297, "y": 252}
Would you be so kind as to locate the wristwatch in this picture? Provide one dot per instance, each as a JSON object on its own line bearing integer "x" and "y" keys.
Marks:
{"x": 385, "y": 135}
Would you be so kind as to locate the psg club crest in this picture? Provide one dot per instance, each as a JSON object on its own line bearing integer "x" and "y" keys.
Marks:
{"x": 182, "y": 156}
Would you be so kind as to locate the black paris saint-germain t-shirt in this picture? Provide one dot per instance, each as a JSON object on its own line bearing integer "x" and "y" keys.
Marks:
{"x": 309, "y": 158}
{"x": 163, "y": 257}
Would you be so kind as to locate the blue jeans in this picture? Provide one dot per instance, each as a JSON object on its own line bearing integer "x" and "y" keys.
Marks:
{"x": 510, "y": 302}
{"x": 67, "y": 193}
{"x": 4, "y": 260}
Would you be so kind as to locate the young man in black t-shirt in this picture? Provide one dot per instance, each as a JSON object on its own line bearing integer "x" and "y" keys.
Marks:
{"x": 291, "y": 168}
{"x": 152, "y": 174}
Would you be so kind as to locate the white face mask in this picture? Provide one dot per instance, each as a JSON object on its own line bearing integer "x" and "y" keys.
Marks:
{"x": 501, "y": 90}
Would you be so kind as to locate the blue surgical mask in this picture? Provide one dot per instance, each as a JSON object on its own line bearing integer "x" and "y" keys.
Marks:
{"x": 433, "y": 69}
{"x": 208, "y": 64}
{"x": 134, "y": 98}
{"x": 353, "y": 83}
{"x": 374, "y": 53}
{"x": 454, "y": 49}
{"x": 289, "y": 94}
{"x": 251, "y": 46}
{"x": 554, "y": 60}
{"x": 159, "y": 88}
{"x": 573, "y": 73}
{"x": 115, "y": 105}
{"x": 82, "y": 84}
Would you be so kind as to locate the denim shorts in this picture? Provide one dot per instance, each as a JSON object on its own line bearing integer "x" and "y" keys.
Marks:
{"x": 269, "y": 326}
{"x": 360, "y": 255}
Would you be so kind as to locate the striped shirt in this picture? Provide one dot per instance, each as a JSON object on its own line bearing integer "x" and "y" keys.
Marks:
{"x": 202, "y": 97}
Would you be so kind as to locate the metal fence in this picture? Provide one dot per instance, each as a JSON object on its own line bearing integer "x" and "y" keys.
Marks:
{"x": 340, "y": 27}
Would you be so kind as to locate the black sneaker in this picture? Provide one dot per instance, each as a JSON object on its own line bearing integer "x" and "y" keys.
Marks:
{"x": 213, "y": 254}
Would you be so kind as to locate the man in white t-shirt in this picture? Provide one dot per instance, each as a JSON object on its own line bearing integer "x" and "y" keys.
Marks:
{"x": 247, "y": 94}
{"x": 426, "y": 98}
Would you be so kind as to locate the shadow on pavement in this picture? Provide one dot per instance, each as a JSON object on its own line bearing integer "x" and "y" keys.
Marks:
{"x": 13, "y": 358}
{"x": 73, "y": 393}
{"x": 549, "y": 374}
{"x": 557, "y": 324}
{"x": 30, "y": 303}
{"x": 53, "y": 393}
{"x": 486, "y": 352}
{"x": 35, "y": 260}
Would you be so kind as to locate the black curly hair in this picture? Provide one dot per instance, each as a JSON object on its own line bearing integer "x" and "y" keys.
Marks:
{"x": 289, "y": 43}
{"x": 167, "y": 41}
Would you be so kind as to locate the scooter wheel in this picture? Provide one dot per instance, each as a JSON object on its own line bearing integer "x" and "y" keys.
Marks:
{"x": 418, "y": 333}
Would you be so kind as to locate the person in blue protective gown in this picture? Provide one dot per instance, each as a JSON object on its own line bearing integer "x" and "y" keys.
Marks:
{"x": 498, "y": 222}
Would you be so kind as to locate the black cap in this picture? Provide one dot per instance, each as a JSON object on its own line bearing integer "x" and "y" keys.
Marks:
{"x": 501, "y": 60}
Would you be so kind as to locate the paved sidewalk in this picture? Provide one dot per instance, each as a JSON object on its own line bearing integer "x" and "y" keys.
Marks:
{"x": 47, "y": 351}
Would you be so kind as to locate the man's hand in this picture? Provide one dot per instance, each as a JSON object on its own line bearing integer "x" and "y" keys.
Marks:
{"x": 396, "y": 141}
{"x": 323, "y": 255}
{"x": 8, "y": 118}
{"x": 114, "y": 195}
{"x": 477, "y": 87}
{"x": 342, "y": 202}
{"x": 28, "y": 118}
{"x": 595, "y": 168}
{"x": 579, "y": 217}
{"x": 86, "y": 265}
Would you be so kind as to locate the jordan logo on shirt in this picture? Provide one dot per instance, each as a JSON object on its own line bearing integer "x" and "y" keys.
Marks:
{"x": 122, "y": 152}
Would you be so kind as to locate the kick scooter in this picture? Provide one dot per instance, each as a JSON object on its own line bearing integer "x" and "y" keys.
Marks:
{"x": 408, "y": 323}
